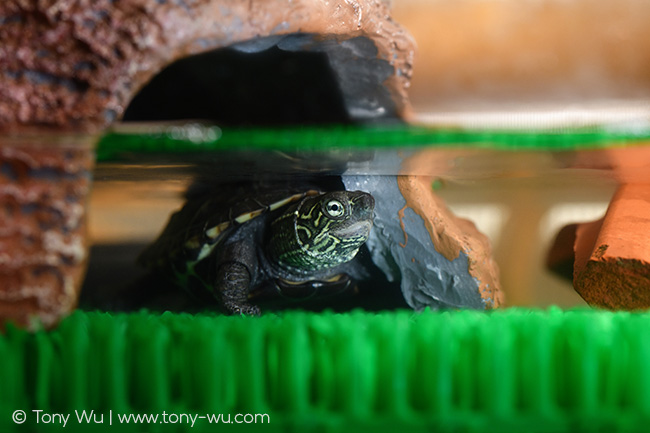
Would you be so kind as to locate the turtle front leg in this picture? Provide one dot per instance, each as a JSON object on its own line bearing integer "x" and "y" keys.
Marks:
{"x": 236, "y": 267}
{"x": 233, "y": 281}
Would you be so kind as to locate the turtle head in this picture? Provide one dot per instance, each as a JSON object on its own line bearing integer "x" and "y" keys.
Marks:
{"x": 328, "y": 230}
{"x": 335, "y": 223}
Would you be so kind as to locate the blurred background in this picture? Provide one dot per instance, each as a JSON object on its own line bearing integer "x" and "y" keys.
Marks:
{"x": 528, "y": 63}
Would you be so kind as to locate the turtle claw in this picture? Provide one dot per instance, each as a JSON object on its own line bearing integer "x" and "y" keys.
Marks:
{"x": 242, "y": 309}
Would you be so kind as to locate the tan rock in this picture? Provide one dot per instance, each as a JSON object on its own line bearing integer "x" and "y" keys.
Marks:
{"x": 450, "y": 234}
{"x": 612, "y": 262}
{"x": 439, "y": 259}
{"x": 611, "y": 256}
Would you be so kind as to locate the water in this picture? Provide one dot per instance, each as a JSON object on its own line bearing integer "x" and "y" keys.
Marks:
{"x": 520, "y": 194}
{"x": 519, "y": 198}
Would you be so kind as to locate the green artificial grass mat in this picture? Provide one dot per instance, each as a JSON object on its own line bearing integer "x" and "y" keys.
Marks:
{"x": 175, "y": 139}
{"x": 512, "y": 370}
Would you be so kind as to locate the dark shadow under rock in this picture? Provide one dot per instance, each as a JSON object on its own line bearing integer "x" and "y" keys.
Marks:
{"x": 232, "y": 87}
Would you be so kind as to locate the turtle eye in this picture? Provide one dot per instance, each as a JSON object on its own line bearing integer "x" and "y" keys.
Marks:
{"x": 334, "y": 209}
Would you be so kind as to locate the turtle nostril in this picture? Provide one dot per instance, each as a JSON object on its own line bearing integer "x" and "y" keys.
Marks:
{"x": 366, "y": 203}
{"x": 370, "y": 202}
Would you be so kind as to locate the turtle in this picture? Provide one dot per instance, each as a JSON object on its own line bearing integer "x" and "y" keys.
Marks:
{"x": 241, "y": 244}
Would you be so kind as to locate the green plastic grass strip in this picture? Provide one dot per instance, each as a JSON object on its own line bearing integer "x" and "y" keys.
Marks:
{"x": 509, "y": 371}
{"x": 169, "y": 139}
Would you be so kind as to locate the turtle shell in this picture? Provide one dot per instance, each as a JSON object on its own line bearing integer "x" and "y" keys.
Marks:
{"x": 207, "y": 218}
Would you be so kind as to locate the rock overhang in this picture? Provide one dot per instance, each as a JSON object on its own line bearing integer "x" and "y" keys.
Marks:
{"x": 76, "y": 65}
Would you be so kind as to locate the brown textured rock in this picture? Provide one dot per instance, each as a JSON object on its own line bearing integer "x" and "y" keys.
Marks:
{"x": 44, "y": 183}
{"x": 77, "y": 63}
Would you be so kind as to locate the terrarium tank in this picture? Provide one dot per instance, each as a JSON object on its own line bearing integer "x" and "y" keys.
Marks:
{"x": 324, "y": 215}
